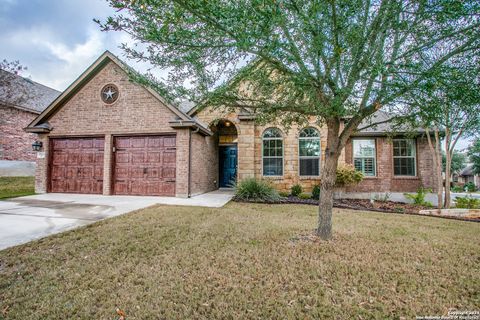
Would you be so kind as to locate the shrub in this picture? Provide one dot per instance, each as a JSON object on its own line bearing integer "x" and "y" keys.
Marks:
{"x": 419, "y": 197}
{"x": 283, "y": 194}
{"x": 296, "y": 190}
{"x": 467, "y": 203}
{"x": 470, "y": 187}
{"x": 253, "y": 189}
{"x": 457, "y": 189}
{"x": 316, "y": 192}
{"x": 347, "y": 175}
{"x": 304, "y": 196}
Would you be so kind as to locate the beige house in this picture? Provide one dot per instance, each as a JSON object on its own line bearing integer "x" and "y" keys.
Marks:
{"x": 107, "y": 135}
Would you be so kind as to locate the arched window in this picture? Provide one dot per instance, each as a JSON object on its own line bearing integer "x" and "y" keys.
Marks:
{"x": 309, "y": 152}
{"x": 272, "y": 151}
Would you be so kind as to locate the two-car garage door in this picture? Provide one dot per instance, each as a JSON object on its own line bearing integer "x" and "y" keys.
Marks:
{"x": 142, "y": 165}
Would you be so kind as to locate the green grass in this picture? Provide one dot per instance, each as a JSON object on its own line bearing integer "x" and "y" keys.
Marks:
{"x": 245, "y": 261}
{"x": 16, "y": 186}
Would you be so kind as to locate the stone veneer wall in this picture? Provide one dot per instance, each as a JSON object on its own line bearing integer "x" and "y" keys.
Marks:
{"x": 250, "y": 149}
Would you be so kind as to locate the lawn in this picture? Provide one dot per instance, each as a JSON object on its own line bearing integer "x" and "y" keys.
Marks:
{"x": 16, "y": 186}
{"x": 245, "y": 261}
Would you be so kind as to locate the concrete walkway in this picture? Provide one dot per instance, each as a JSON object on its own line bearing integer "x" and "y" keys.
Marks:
{"x": 27, "y": 218}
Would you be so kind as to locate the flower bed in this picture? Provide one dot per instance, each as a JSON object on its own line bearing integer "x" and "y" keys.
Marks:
{"x": 363, "y": 204}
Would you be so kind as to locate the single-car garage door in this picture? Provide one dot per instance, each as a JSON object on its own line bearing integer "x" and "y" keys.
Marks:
{"x": 144, "y": 165}
{"x": 77, "y": 165}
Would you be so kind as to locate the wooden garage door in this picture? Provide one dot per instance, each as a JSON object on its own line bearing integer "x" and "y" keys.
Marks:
{"x": 77, "y": 165}
{"x": 144, "y": 165}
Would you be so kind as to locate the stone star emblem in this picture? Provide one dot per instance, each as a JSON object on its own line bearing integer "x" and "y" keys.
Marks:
{"x": 109, "y": 94}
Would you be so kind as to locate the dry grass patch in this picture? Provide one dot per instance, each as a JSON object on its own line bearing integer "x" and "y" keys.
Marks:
{"x": 16, "y": 186}
{"x": 245, "y": 261}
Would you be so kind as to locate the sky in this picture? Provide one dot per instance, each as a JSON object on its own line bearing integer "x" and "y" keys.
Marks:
{"x": 57, "y": 39}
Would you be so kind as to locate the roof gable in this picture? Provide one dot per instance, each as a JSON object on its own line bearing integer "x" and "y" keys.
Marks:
{"x": 38, "y": 124}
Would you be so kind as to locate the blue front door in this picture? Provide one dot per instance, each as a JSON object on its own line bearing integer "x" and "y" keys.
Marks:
{"x": 228, "y": 166}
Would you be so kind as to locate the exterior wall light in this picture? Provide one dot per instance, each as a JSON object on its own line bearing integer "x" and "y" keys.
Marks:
{"x": 37, "y": 145}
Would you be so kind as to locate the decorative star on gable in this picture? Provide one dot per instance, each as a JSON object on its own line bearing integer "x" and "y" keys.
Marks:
{"x": 109, "y": 93}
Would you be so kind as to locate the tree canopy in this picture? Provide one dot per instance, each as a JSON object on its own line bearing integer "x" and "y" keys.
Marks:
{"x": 288, "y": 60}
{"x": 474, "y": 154}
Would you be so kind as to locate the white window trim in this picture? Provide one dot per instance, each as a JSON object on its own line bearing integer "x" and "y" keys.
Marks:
{"x": 310, "y": 157}
{"x": 274, "y": 157}
{"x": 401, "y": 157}
{"x": 374, "y": 155}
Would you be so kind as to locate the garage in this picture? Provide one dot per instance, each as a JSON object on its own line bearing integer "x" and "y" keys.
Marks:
{"x": 77, "y": 165}
{"x": 144, "y": 165}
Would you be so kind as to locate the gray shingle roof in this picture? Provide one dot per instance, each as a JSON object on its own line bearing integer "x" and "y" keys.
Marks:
{"x": 467, "y": 171}
{"x": 383, "y": 127}
{"x": 25, "y": 94}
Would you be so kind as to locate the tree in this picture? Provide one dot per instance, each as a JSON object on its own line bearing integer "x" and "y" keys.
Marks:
{"x": 474, "y": 155}
{"x": 458, "y": 161}
{"x": 447, "y": 102}
{"x": 333, "y": 60}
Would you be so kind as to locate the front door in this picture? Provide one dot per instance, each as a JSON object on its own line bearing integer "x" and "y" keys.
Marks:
{"x": 228, "y": 166}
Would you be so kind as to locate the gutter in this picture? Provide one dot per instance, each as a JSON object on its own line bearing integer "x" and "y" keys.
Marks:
{"x": 179, "y": 124}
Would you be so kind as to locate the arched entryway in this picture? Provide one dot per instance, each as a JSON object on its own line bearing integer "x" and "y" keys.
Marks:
{"x": 226, "y": 135}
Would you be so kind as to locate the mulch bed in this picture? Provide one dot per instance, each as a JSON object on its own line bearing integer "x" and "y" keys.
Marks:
{"x": 363, "y": 204}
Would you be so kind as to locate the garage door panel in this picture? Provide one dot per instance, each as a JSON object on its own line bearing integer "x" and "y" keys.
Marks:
{"x": 168, "y": 173}
{"x": 169, "y": 142}
{"x": 138, "y": 157}
{"x": 121, "y": 157}
{"x": 73, "y": 158}
{"x": 137, "y": 142}
{"x": 154, "y": 157}
{"x": 58, "y": 172}
{"x": 77, "y": 165}
{"x": 155, "y": 142}
{"x": 139, "y": 167}
{"x": 86, "y": 144}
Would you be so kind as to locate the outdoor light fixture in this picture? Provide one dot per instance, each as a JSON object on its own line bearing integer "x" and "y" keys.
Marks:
{"x": 37, "y": 146}
{"x": 227, "y": 124}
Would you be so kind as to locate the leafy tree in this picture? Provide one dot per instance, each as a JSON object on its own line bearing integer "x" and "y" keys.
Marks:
{"x": 474, "y": 154}
{"x": 333, "y": 60}
{"x": 447, "y": 103}
{"x": 458, "y": 162}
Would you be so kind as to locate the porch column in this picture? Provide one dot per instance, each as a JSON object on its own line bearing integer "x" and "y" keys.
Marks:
{"x": 246, "y": 149}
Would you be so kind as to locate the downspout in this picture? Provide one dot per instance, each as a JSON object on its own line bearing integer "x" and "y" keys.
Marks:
{"x": 190, "y": 160}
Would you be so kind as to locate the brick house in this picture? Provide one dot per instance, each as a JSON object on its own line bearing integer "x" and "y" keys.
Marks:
{"x": 21, "y": 101}
{"x": 107, "y": 135}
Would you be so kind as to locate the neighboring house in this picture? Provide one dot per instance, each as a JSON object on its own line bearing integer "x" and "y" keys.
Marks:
{"x": 466, "y": 175}
{"x": 107, "y": 135}
{"x": 21, "y": 101}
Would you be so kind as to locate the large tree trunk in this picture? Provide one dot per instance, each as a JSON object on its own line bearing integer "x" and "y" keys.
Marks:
{"x": 448, "y": 164}
{"x": 437, "y": 164}
{"x": 438, "y": 155}
{"x": 327, "y": 184}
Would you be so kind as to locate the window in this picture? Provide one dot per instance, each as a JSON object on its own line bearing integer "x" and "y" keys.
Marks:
{"x": 364, "y": 156}
{"x": 309, "y": 152}
{"x": 404, "y": 157}
{"x": 272, "y": 152}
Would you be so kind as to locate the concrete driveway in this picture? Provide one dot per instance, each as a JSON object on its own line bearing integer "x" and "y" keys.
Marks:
{"x": 27, "y": 218}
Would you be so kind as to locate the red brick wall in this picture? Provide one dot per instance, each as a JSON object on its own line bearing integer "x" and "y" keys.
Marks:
{"x": 15, "y": 144}
{"x": 385, "y": 181}
{"x": 136, "y": 111}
